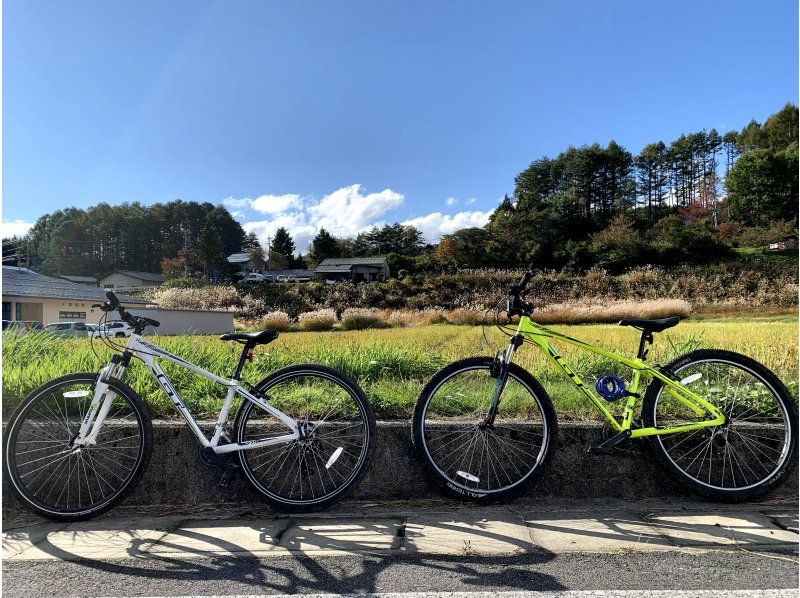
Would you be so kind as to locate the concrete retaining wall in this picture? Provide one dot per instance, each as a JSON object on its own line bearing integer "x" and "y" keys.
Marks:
{"x": 177, "y": 476}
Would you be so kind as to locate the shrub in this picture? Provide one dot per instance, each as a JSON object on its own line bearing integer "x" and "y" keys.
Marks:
{"x": 317, "y": 321}
{"x": 360, "y": 318}
{"x": 277, "y": 320}
{"x": 204, "y": 298}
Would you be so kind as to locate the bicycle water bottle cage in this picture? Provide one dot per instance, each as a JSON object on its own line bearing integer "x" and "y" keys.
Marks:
{"x": 611, "y": 388}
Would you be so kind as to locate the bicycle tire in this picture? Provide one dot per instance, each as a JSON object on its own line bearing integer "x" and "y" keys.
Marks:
{"x": 761, "y": 374}
{"x": 454, "y": 487}
{"x": 11, "y": 471}
{"x": 363, "y": 459}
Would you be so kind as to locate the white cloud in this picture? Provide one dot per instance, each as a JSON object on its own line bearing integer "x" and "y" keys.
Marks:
{"x": 15, "y": 228}
{"x": 450, "y": 201}
{"x": 343, "y": 213}
{"x": 434, "y": 225}
{"x": 346, "y": 212}
{"x": 470, "y": 201}
{"x": 267, "y": 204}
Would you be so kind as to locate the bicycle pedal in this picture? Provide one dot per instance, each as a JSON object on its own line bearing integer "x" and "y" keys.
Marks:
{"x": 611, "y": 446}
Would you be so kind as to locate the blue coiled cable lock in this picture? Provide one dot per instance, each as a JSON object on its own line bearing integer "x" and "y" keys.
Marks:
{"x": 611, "y": 388}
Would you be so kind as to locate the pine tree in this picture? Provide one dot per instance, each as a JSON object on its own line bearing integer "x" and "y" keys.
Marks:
{"x": 323, "y": 246}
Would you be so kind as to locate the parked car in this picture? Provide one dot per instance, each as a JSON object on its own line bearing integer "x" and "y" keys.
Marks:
{"x": 115, "y": 329}
{"x": 22, "y": 326}
{"x": 282, "y": 278}
{"x": 80, "y": 329}
{"x": 253, "y": 277}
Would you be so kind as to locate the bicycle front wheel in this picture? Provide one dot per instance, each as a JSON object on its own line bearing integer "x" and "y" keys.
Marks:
{"x": 469, "y": 458}
{"x": 57, "y": 479}
{"x": 337, "y": 432}
{"x": 745, "y": 457}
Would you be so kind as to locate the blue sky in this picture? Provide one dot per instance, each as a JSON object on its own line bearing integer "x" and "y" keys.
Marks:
{"x": 346, "y": 114}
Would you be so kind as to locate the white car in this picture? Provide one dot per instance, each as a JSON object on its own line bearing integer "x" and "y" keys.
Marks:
{"x": 117, "y": 329}
{"x": 254, "y": 277}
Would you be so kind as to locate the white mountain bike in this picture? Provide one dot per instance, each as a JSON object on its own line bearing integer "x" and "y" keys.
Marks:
{"x": 77, "y": 445}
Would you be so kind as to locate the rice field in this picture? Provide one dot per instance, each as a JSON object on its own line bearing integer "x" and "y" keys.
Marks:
{"x": 393, "y": 364}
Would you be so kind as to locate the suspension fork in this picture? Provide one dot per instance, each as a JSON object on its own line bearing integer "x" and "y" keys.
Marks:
{"x": 102, "y": 400}
{"x": 499, "y": 370}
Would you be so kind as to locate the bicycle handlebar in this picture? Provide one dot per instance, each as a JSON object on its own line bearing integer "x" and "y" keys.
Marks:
{"x": 516, "y": 306}
{"x": 138, "y": 322}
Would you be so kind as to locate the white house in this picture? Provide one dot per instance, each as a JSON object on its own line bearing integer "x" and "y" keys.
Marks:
{"x": 31, "y": 296}
{"x": 130, "y": 279}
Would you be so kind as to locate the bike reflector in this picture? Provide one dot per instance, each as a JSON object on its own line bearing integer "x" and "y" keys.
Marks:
{"x": 333, "y": 457}
{"x": 76, "y": 394}
{"x": 468, "y": 476}
{"x": 690, "y": 379}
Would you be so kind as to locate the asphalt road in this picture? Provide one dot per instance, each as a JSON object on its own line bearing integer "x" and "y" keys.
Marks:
{"x": 236, "y": 575}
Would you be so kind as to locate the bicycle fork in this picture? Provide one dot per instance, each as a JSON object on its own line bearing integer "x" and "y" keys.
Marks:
{"x": 101, "y": 403}
{"x": 499, "y": 370}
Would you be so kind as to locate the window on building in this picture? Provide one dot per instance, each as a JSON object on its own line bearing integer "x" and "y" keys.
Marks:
{"x": 72, "y": 315}
{"x": 108, "y": 286}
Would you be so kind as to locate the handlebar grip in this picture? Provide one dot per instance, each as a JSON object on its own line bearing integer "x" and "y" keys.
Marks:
{"x": 520, "y": 286}
{"x": 112, "y": 298}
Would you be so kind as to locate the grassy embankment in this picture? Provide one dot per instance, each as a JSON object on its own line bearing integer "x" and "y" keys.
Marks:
{"x": 393, "y": 364}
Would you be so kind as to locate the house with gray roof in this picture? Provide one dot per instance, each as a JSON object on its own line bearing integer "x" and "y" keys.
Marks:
{"x": 28, "y": 295}
{"x": 90, "y": 280}
{"x": 354, "y": 269}
{"x": 131, "y": 279}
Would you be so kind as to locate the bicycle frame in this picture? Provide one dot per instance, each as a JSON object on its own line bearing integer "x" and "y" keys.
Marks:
{"x": 541, "y": 336}
{"x": 149, "y": 354}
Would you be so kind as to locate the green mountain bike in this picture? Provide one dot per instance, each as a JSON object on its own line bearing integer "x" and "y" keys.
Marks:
{"x": 722, "y": 423}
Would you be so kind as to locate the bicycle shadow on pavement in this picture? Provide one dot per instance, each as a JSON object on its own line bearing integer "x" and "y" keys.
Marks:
{"x": 235, "y": 550}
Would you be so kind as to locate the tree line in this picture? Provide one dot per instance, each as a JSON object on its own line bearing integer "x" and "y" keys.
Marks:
{"x": 130, "y": 236}
{"x": 687, "y": 201}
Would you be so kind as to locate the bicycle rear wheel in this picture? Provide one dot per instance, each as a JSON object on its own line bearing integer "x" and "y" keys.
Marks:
{"x": 55, "y": 478}
{"x": 745, "y": 457}
{"x": 337, "y": 427}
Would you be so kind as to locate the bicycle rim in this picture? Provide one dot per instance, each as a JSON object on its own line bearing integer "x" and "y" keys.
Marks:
{"x": 332, "y": 450}
{"x": 746, "y": 452}
{"x": 58, "y": 477}
{"x": 479, "y": 458}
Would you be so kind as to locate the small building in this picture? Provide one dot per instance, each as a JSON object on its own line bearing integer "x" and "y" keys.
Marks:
{"x": 28, "y": 295}
{"x": 788, "y": 242}
{"x": 186, "y": 321}
{"x": 87, "y": 280}
{"x": 242, "y": 260}
{"x": 130, "y": 279}
{"x": 354, "y": 269}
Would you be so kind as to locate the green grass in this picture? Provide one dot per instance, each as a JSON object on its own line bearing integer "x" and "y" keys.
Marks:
{"x": 392, "y": 365}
